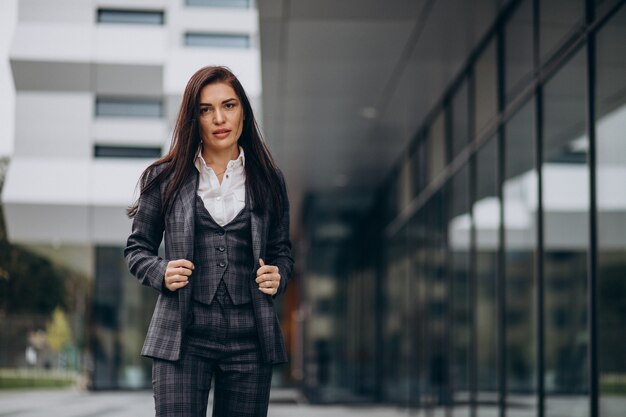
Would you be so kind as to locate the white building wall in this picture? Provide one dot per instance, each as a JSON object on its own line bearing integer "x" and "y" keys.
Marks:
{"x": 8, "y": 20}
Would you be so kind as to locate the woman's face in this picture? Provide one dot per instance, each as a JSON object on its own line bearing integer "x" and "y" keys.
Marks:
{"x": 221, "y": 116}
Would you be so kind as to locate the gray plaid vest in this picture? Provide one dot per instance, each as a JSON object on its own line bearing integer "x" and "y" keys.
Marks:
{"x": 222, "y": 257}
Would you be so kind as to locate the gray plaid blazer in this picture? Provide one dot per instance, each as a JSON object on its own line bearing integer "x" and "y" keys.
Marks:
{"x": 270, "y": 241}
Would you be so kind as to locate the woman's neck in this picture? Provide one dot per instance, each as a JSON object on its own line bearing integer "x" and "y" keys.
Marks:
{"x": 220, "y": 158}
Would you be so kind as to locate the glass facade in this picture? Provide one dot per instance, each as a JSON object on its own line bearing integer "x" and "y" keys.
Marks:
{"x": 610, "y": 207}
{"x": 120, "y": 313}
{"x": 491, "y": 267}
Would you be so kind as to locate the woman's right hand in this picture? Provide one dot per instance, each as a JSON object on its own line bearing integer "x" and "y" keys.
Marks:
{"x": 177, "y": 274}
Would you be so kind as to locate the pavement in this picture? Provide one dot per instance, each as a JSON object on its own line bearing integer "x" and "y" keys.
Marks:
{"x": 283, "y": 403}
{"x": 77, "y": 403}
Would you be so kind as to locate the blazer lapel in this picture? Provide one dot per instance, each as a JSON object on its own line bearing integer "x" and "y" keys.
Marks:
{"x": 187, "y": 196}
{"x": 258, "y": 225}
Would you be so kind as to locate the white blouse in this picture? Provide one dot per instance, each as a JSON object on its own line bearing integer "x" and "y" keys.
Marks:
{"x": 223, "y": 201}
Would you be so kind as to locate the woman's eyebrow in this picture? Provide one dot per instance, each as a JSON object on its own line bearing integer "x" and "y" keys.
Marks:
{"x": 225, "y": 101}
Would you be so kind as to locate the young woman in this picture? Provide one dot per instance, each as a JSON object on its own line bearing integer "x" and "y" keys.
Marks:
{"x": 222, "y": 204}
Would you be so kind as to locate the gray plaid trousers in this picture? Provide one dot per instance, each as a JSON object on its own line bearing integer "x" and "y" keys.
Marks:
{"x": 221, "y": 343}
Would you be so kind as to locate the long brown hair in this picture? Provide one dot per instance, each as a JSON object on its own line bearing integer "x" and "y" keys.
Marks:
{"x": 261, "y": 171}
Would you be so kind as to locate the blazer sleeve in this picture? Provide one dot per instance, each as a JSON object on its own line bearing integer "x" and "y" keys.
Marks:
{"x": 278, "y": 250}
{"x": 142, "y": 247}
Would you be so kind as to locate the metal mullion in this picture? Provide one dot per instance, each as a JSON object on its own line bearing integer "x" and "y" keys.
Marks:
{"x": 449, "y": 338}
{"x": 592, "y": 355}
{"x": 446, "y": 208}
{"x": 500, "y": 270}
{"x": 473, "y": 303}
{"x": 471, "y": 276}
{"x": 539, "y": 246}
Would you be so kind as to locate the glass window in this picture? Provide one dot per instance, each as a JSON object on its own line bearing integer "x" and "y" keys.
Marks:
{"x": 486, "y": 88}
{"x": 219, "y": 3}
{"x": 460, "y": 120}
{"x": 108, "y": 151}
{"x": 518, "y": 62}
{"x": 396, "y": 348}
{"x": 605, "y": 4}
{"x": 610, "y": 102}
{"x": 565, "y": 177}
{"x": 557, "y": 20}
{"x": 520, "y": 240}
{"x": 436, "y": 148}
{"x": 220, "y": 40}
{"x": 435, "y": 393}
{"x": 405, "y": 183}
{"x": 459, "y": 238}
{"x": 419, "y": 167}
{"x": 486, "y": 213}
{"x": 419, "y": 299}
{"x": 121, "y": 310}
{"x": 134, "y": 17}
{"x": 108, "y": 107}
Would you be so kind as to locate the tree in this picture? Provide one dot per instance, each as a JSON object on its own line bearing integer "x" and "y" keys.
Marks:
{"x": 58, "y": 330}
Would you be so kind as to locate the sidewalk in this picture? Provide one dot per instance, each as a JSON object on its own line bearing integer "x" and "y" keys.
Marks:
{"x": 74, "y": 403}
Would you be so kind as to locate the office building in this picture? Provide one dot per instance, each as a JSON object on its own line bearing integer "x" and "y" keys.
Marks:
{"x": 97, "y": 88}
{"x": 485, "y": 274}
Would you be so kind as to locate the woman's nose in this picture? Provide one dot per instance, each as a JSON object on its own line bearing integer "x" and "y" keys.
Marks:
{"x": 219, "y": 117}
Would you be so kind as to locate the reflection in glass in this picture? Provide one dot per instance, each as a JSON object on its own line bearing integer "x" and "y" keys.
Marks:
{"x": 416, "y": 241}
{"x": 611, "y": 221}
{"x": 605, "y": 4}
{"x": 486, "y": 212}
{"x": 518, "y": 35}
{"x": 396, "y": 346}
{"x": 436, "y": 394}
{"x": 520, "y": 215}
{"x": 436, "y": 148}
{"x": 459, "y": 237}
{"x": 557, "y": 21}
{"x": 486, "y": 104}
{"x": 565, "y": 174}
{"x": 121, "y": 312}
{"x": 419, "y": 167}
{"x": 460, "y": 120}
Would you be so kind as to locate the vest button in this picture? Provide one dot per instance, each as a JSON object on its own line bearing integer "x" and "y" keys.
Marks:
{"x": 221, "y": 264}
{"x": 221, "y": 248}
{"x": 221, "y": 233}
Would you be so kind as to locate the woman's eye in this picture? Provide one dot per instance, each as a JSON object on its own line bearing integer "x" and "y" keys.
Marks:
{"x": 204, "y": 110}
{"x": 230, "y": 105}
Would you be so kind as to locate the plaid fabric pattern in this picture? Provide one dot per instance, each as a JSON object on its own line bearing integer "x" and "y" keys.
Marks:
{"x": 223, "y": 256}
{"x": 221, "y": 328}
{"x": 222, "y": 341}
{"x": 242, "y": 385}
{"x": 270, "y": 241}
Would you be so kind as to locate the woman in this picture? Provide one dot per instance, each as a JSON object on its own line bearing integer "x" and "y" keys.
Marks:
{"x": 222, "y": 204}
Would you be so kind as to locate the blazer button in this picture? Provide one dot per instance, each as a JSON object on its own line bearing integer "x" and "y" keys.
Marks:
{"x": 221, "y": 233}
{"x": 221, "y": 264}
{"x": 221, "y": 248}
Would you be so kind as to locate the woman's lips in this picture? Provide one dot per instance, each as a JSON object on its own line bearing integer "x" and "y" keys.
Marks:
{"x": 221, "y": 134}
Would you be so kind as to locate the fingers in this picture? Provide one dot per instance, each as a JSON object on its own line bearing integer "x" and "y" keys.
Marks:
{"x": 267, "y": 269}
{"x": 177, "y": 274}
{"x": 180, "y": 263}
{"x": 268, "y": 278}
{"x": 173, "y": 286}
{"x": 268, "y": 291}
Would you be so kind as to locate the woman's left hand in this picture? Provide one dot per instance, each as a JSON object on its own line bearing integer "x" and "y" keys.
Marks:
{"x": 268, "y": 278}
